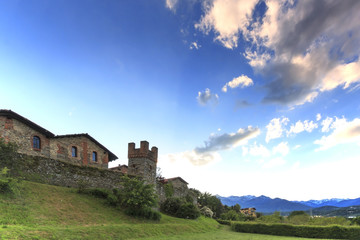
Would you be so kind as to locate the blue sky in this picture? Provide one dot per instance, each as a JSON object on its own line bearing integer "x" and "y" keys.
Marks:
{"x": 240, "y": 97}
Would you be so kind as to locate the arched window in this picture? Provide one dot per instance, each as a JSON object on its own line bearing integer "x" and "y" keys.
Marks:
{"x": 74, "y": 151}
{"x": 94, "y": 156}
{"x": 36, "y": 142}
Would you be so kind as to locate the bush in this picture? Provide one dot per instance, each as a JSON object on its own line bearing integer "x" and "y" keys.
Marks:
{"x": 230, "y": 215}
{"x": 8, "y": 153}
{"x": 146, "y": 213}
{"x": 355, "y": 221}
{"x": 206, "y": 212}
{"x": 171, "y": 206}
{"x": 224, "y": 222}
{"x": 178, "y": 207}
{"x": 8, "y": 185}
{"x": 188, "y": 211}
{"x": 333, "y": 232}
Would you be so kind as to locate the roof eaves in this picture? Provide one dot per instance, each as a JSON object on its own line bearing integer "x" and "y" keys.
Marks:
{"x": 11, "y": 114}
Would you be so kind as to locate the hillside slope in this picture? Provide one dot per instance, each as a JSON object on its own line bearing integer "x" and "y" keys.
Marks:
{"x": 44, "y": 211}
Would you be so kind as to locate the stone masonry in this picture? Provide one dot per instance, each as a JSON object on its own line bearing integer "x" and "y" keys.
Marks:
{"x": 142, "y": 161}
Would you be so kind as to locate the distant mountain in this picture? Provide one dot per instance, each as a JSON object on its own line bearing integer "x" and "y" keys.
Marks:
{"x": 264, "y": 204}
{"x": 336, "y": 202}
{"x": 330, "y": 211}
{"x": 267, "y": 205}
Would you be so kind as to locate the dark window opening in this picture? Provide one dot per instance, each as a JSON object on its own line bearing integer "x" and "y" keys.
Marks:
{"x": 36, "y": 142}
{"x": 74, "y": 151}
{"x": 94, "y": 156}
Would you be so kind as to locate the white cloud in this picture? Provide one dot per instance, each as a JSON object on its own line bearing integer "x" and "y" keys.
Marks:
{"x": 227, "y": 18}
{"x": 282, "y": 148}
{"x": 326, "y": 123}
{"x": 256, "y": 151}
{"x": 343, "y": 132}
{"x": 194, "y": 45}
{"x": 343, "y": 74}
{"x": 171, "y": 4}
{"x": 275, "y": 128}
{"x": 195, "y": 158}
{"x": 300, "y": 126}
{"x": 318, "y": 117}
{"x": 205, "y": 97}
{"x": 298, "y": 69}
{"x": 297, "y": 147}
{"x": 228, "y": 140}
{"x": 241, "y": 81}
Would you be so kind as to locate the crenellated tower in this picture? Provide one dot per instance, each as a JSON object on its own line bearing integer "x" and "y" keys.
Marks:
{"x": 142, "y": 161}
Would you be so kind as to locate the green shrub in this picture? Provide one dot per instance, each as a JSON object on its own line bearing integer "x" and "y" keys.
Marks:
{"x": 224, "y": 222}
{"x": 146, "y": 213}
{"x": 171, "y": 206}
{"x": 188, "y": 211}
{"x": 8, "y": 185}
{"x": 8, "y": 152}
{"x": 206, "y": 212}
{"x": 169, "y": 190}
{"x": 230, "y": 215}
{"x": 333, "y": 232}
{"x": 355, "y": 221}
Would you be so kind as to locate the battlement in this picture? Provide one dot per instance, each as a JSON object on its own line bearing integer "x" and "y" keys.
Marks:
{"x": 143, "y": 151}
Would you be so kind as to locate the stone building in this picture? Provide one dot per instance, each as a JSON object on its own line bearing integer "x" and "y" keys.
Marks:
{"x": 34, "y": 140}
{"x": 142, "y": 161}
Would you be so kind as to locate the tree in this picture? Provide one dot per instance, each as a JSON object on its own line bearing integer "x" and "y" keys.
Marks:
{"x": 206, "y": 199}
{"x": 136, "y": 194}
{"x": 237, "y": 208}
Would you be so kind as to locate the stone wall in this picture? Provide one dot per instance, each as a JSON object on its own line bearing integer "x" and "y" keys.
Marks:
{"x": 60, "y": 148}
{"x": 60, "y": 173}
{"x": 21, "y": 134}
{"x": 142, "y": 161}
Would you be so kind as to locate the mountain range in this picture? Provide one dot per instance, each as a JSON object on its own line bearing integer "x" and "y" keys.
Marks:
{"x": 267, "y": 205}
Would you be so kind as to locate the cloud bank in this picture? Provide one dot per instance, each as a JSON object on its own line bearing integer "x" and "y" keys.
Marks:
{"x": 302, "y": 48}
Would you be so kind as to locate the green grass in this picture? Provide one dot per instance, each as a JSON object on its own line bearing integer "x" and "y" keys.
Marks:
{"x": 49, "y": 212}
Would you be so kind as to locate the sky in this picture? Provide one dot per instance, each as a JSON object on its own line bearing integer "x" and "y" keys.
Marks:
{"x": 242, "y": 97}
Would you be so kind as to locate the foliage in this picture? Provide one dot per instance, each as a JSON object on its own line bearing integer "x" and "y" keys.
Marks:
{"x": 356, "y": 221}
{"x": 171, "y": 205}
{"x": 214, "y": 203}
{"x": 298, "y": 217}
{"x": 297, "y": 213}
{"x": 136, "y": 194}
{"x": 96, "y": 192}
{"x": 8, "y": 185}
{"x": 230, "y": 215}
{"x": 236, "y": 208}
{"x": 8, "y": 153}
{"x": 206, "y": 212}
{"x": 188, "y": 211}
{"x": 146, "y": 213}
{"x": 333, "y": 232}
{"x": 274, "y": 218}
{"x": 169, "y": 190}
{"x": 179, "y": 207}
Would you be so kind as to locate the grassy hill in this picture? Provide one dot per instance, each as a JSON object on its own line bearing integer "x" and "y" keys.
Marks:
{"x": 49, "y": 212}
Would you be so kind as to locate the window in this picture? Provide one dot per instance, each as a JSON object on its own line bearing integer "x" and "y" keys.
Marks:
{"x": 94, "y": 156}
{"x": 36, "y": 142}
{"x": 74, "y": 151}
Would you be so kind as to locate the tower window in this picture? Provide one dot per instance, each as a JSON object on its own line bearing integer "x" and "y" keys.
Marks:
{"x": 36, "y": 142}
{"x": 94, "y": 156}
{"x": 74, "y": 151}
